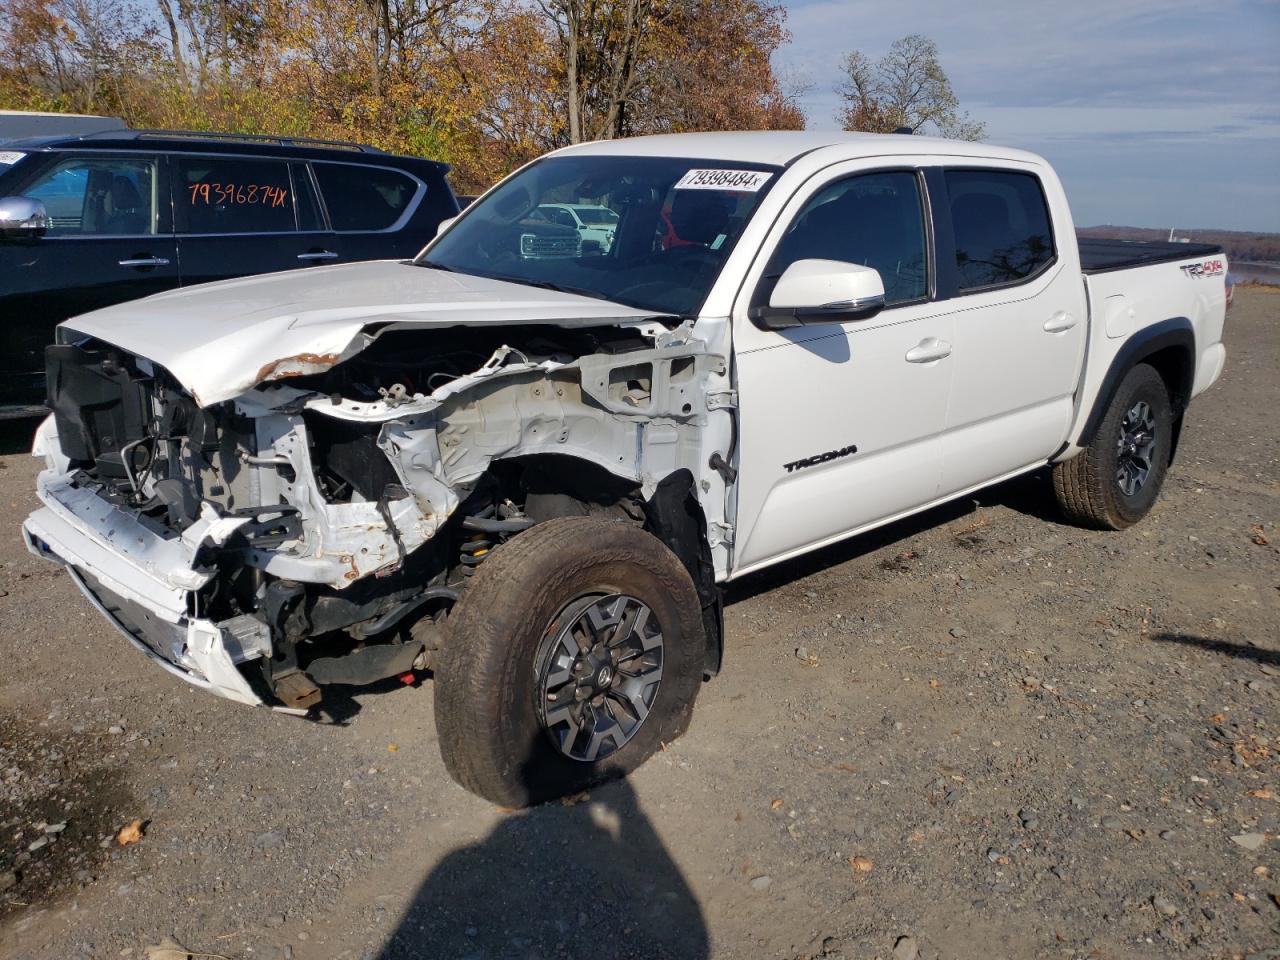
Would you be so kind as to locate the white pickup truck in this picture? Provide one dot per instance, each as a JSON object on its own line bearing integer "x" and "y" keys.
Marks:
{"x": 531, "y": 475}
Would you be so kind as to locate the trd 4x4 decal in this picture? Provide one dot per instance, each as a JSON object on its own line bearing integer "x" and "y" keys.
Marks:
{"x": 1209, "y": 268}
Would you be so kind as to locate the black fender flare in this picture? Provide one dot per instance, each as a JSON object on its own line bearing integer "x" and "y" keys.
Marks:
{"x": 674, "y": 515}
{"x": 1176, "y": 332}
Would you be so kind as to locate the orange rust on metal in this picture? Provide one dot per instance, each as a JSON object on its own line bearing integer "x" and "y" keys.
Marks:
{"x": 354, "y": 572}
{"x": 297, "y": 366}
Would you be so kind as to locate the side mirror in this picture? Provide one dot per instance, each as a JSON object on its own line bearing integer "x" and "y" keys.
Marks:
{"x": 23, "y": 217}
{"x": 444, "y": 225}
{"x": 822, "y": 291}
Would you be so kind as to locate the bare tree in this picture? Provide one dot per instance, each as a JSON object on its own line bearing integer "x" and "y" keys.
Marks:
{"x": 601, "y": 44}
{"x": 907, "y": 87}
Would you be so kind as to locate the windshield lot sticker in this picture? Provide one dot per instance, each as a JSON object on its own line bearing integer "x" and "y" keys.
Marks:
{"x": 1210, "y": 268}
{"x": 8, "y": 157}
{"x": 747, "y": 181}
{"x": 241, "y": 194}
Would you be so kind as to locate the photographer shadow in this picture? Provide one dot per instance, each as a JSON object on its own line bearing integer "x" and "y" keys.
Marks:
{"x": 589, "y": 879}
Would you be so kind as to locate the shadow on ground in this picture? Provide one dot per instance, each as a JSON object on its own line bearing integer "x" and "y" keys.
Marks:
{"x": 1238, "y": 651}
{"x": 592, "y": 879}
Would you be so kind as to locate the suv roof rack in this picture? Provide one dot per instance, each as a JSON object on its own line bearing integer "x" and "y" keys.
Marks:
{"x": 231, "y": 137}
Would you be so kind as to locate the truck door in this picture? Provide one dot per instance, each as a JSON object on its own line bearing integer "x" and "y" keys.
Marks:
{"x": 1020, "y": 325}
{"x": 840, "y": 422}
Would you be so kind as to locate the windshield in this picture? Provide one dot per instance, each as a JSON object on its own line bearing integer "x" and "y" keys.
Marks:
{"x": 654, "y": 231}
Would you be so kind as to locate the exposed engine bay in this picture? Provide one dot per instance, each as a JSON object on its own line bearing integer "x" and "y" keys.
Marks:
{"x": 315, "y": 530}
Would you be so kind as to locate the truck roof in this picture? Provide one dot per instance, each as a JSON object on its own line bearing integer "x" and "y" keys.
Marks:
{"x": 781, "y": 147}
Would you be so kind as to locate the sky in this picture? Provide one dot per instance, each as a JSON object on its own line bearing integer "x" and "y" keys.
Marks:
{"x": 1155, "y": 114}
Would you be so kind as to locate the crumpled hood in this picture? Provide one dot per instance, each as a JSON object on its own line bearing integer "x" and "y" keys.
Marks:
{"x": 221, "y": 339}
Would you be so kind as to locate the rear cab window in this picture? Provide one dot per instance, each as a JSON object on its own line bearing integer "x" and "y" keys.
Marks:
{"x": 219, "y": 195}
{"x": 1003, "y": 233}
{"x": 365, "y": 198}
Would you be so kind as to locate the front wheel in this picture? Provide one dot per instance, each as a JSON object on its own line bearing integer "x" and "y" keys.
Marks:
{"x": 1115, "y": 480}
{"x": 575, "y": 653}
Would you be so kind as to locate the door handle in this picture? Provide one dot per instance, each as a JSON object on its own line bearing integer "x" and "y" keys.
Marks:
{"x": 928, "y": 350}
{"x": 318, "y": 255}
{"x": 145, "y": 262}
{"x": 1059, "y": 321}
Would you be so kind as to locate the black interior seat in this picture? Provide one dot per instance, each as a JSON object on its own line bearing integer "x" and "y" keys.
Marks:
{"x": 127, "y": 212}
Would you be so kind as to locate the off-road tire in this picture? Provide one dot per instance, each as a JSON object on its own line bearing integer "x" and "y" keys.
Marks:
{"x": 1086, "y": 486}
{"x": 486, "y": 691}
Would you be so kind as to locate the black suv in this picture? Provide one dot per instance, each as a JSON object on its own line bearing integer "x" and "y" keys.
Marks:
{"x": 94, "y": 220}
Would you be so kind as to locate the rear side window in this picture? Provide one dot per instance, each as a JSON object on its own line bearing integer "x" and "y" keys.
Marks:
{"x": 233, "y": 195}
{"x": 1001, "y": 224}
{"x": 363, "y": 198}
{"x": 99, "y": 196}
{"x": 874, "y": 220}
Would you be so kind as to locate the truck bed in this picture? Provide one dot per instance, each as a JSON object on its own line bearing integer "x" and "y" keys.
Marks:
{"x": 1098, "y": 255}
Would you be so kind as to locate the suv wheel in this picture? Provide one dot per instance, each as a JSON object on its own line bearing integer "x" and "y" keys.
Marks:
{"x": 1113, "y": 482}
{"x": 575, "y": 653}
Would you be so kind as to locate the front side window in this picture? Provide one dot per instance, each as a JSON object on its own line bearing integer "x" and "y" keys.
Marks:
{"x": 363, "y": 198}
{"x": 233, "y": 195}
{"x": 1001, "y": 224}
{"x": 99, "y": 196}
{"x": 874, "y": 220}
{"x": 657, "y": 230}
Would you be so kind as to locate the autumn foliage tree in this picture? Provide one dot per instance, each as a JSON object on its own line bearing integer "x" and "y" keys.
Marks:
{"x": 482, "y": 84}
{"x": 907, "y": 87}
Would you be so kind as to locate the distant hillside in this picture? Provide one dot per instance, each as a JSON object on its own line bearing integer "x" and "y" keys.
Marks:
{"x": 1255, "y": 247}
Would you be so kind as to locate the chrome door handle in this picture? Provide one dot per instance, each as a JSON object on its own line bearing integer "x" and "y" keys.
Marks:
{"x": 318, "y": 255}
{"x": 1059, "y": 321}
{"x": 145, "y": 262}
{"x": 928, "y": 350}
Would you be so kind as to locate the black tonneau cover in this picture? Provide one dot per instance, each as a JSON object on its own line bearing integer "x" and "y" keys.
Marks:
{"x": 1099, "y": 255}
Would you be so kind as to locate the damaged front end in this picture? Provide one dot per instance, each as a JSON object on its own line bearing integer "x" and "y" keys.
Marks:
{"x": 314, "y": 530}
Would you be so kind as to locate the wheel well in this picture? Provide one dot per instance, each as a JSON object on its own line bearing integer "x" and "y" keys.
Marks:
{"x": 674, "y": 515}
{"x": 1175, "y": 366}
{"x": 1169, "y": 347}
{"x": 549, "y": 486}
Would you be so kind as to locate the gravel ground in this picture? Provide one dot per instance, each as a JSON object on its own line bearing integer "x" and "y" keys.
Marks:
{"x": 977, "y": 734}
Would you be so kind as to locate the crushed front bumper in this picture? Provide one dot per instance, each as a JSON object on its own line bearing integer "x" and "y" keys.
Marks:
{"x": 144, "y": 584}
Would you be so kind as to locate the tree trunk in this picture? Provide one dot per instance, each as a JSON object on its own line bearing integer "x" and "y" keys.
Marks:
{"x": 175, "y": 43}
{"x": 573, "y": 40}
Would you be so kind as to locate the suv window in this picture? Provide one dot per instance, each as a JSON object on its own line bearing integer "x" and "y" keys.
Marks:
{"x": 1001, "y": 224}
{"x": 233, "y": 195}
{"x": 363, "y": 198}
{"x": 99, "y": 196}
{"x": 876, "y": 220}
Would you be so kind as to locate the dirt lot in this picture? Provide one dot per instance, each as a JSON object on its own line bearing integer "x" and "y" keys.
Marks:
{"x": 983, "y": 731}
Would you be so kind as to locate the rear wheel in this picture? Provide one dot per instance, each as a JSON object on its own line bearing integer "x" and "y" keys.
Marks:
{"x": 1115, "y": 481}
{"x": 575, "y": 653}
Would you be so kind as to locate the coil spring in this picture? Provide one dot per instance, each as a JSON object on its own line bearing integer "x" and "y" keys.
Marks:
{"x": 474, "y": 550}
